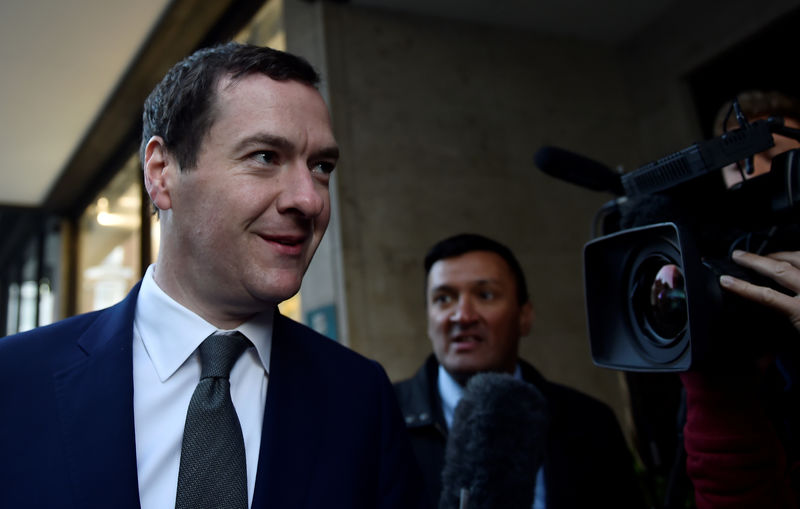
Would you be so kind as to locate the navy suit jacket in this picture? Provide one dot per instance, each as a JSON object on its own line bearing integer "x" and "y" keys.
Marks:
{"x": 332, "y": 435}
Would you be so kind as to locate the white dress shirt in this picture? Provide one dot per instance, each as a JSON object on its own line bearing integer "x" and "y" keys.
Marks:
{"x": 451, "y": 392}
{"x": 166, "y": 370}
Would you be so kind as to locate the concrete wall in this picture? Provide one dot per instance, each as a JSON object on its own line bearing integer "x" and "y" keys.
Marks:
{"x": 438, "y": 122}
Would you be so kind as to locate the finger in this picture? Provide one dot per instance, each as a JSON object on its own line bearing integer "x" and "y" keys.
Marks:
{"x": 779, "y": 270}
{"x": 789, "y": 306}
{"x": 792, "y": 257}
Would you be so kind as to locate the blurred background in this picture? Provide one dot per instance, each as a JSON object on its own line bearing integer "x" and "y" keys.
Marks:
{"x": 438, "y": 105}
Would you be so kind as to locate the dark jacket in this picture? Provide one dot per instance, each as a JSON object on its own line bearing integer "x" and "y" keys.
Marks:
{"x": 587, "y": 462}
{"x": 332, "y": 435}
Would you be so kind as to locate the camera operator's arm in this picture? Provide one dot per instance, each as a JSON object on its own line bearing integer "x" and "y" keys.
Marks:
{"x": 735, "y": 458}
{"x": 783, "y": 268}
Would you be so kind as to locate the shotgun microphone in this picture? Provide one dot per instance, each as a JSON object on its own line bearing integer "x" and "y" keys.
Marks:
{"x": 577, "y": 169}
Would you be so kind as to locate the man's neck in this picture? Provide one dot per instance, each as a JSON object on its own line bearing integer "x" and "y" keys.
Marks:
{"x": 215, "y": 315}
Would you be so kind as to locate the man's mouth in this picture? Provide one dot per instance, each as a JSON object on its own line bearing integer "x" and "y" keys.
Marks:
{"x": 286, "y": 244}
{"x": 465, "y": 343}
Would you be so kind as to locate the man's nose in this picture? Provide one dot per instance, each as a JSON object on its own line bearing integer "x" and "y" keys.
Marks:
{"x": 464, "y": 311}
{"x": 300, "y": 193}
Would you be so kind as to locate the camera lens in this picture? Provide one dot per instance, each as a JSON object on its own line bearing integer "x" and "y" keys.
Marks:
{"x": 667, "y": 310}
{"x": 660, "y": 299}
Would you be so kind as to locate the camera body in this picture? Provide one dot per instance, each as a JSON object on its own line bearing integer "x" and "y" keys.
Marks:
{"x": 652, "y": 293}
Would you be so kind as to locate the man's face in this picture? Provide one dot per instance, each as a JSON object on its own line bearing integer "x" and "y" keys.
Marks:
{"x": 474, "y": 318}
{"x": 763, "y": 160}
{"x": 242, "y": 226}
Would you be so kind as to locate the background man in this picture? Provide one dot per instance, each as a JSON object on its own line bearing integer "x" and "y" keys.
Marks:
{"x": 106, "y": 409}
{"x": 478, "y": 309}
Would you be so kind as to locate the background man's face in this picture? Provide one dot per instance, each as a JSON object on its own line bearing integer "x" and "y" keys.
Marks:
{"x": 474, "y": 318}
{"x": 762, "y": 161}
{"x": 245, "y": 222}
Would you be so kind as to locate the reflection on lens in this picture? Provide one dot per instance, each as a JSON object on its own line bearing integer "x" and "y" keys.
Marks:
{"x": 666, "y": 313}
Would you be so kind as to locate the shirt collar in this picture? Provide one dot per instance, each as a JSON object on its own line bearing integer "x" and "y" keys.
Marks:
{"x": 171, "y": 333}
{"x": 451, "y": 392}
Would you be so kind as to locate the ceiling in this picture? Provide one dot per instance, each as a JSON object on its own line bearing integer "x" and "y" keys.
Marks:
{"x": 62, "y": 59}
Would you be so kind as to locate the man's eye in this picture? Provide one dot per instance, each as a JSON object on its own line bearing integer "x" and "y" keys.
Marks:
{"x": 442, "y": 299}
{"x": 486, "y": 295}
{"x": 323, "y": 167}
{"x": 266, "y": 157}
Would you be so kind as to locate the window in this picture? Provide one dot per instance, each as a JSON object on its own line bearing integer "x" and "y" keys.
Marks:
{"x": 109, "y": 240}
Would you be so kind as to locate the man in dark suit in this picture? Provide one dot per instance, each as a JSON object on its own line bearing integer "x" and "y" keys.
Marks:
{"x": 108, "y": 409}
{"x": 478, "y": 309}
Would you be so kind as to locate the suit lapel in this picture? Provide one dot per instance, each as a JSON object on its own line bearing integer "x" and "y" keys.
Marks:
{"x": 289, "y": 439}
{"x": 95, "y": 410}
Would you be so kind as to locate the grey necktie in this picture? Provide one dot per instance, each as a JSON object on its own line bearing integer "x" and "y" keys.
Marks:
{"x": 213, "y": 471}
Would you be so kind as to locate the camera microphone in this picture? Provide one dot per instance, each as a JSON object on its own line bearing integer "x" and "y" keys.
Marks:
{"x": 577, "y": 169}
{"x": 495, "y": 446}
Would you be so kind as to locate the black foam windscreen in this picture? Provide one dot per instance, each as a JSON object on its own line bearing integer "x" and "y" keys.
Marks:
{"x": 496, "y": 444}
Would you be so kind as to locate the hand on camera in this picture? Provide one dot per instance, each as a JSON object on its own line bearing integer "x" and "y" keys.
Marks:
{"x": 783, "y": 268}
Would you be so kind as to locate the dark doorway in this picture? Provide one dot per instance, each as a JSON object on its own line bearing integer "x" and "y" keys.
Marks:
{"x": 764, "y": 61}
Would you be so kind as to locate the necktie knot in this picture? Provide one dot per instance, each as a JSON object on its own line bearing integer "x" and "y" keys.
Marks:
{"x": 219, "y": 352}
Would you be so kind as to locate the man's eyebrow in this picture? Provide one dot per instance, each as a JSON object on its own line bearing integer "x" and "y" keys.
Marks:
{"x": 331, "y": 152}
{"x": 282, "y": 143}
{"x": 265, "y": 139}
{"x": 442, "y": 288}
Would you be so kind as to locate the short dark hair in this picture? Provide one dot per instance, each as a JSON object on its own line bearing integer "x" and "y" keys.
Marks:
{"x": 468, "y": 242}
{"x": 180, "y": 108}
{"x": 755, "y": 104}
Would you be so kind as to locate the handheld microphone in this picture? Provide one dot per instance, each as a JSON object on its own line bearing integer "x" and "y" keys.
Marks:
{"x": 576, "y": 169}
{"x": 496, "y": 445}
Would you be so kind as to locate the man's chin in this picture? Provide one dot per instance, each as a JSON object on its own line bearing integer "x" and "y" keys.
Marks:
{"x": 276, "y": 287}
{"x": 463, "y": 371}
{"x": 279, "y": 297}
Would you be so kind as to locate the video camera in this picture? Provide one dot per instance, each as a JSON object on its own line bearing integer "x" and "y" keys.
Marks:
{"x": 652, "y": 294}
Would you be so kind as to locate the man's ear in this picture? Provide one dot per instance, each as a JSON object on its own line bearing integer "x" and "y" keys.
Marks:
{"x": 159, "y": 168}
{"x": 526, "y": 317}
